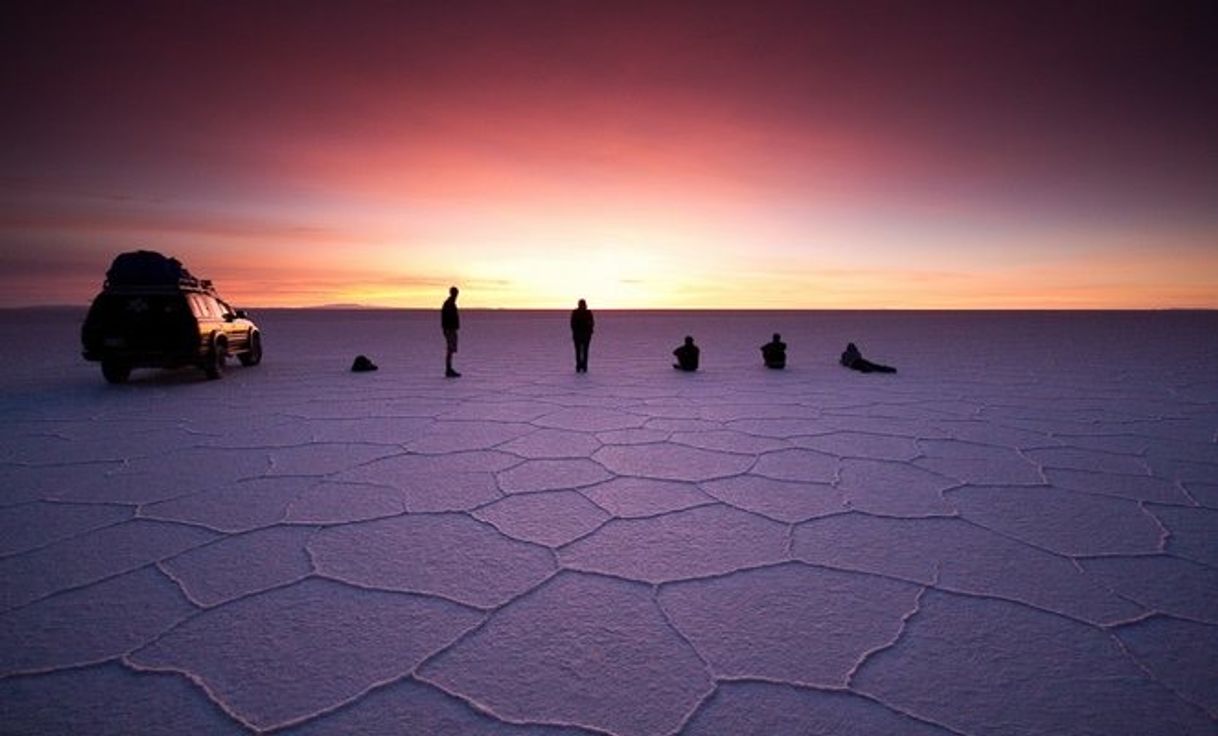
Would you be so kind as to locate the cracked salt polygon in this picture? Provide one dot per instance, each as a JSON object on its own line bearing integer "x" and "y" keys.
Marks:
{"x": 860, "y": 445}
{"x": 1074, "y": 458}
{"x": 331, "y": 502}
{"x": 320, "y": 459}
{"x": 551, "y": 475}
{"x": 696, "y": 542}
{"x": 1205, "y": 493}
{"x": 581, "y": 650}
{"x": 411, "y": 707}
{"x": 789, "y": 622}
{"x": 191, "y": 466}
{"x": 911, "y": 428}
{"x": 798, "y": 465}
{"x": 31, "y": 525}
{"x": 637, "y": 436}
{"x": 448, "y": 555}
{"x": 1136, "y": 487}
{"x": 1161, "y": 583}
{"x": 778, "y": 427}
{"x": 90, "y": 624}
{"x": 497, "y": 411}
{"x": 1061, "y": 521}
{"x": 92, "y": 557}
{"x": 1119, "y": 443}
{"x": 23, "y": 484}
{"x": 1180, "y": 653}
{"x": 590, "y": 419}
{"x": 456, "y": 482}
{"x": 684, "y": 425}
{"x": 726, "y": 440}
{"x": 893, "y": 489}
{"x": 1185, "y": 471}
{"x": 667, "y": 461}
{"x": 1007, "y": 468}
{"x": 553, "y": 444}
{"x": 551, "y": 518}
{"x": 453, "y": 436}
{"x": 986, "y": 433}
{"x": 113, "y": 701}
{"x": 978, "y": 665}
{"x": 769, "y": 708}
{"x": 242, "y": 564}
{"x": 285, "y": 655}
{"x": 962, "y": 557}
{"x": 370, "y": 430}
{"x": 122, "y": 485}
{"x": 1191, "y": 532}
{"x": 636, "y": 497}
{"x": 784, "y": 501}
{"x": 234, "y": 507}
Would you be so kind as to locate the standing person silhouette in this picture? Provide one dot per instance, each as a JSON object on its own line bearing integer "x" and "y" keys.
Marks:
{"x": 582, "y": 325}
{"x": 450, "y": 322}
{"x": 687, "y": 356}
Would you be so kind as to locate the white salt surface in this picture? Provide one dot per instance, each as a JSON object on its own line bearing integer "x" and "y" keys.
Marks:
{"x": 1015, "y": 534}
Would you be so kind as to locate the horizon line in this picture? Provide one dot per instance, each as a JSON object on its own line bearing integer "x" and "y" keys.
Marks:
{"x": 380, "y": 308}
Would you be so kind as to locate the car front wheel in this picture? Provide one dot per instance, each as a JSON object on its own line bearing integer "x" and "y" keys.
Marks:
{"x": 253, "y": 356}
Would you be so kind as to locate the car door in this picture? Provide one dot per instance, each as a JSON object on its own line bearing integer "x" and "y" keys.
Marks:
{"x": 234, "y": 329}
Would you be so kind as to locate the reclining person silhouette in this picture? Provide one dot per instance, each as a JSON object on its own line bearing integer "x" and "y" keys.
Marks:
{"x": 687, "y": 356}
{"x": 853, "y": 359}
{"x": 774, "y": 353}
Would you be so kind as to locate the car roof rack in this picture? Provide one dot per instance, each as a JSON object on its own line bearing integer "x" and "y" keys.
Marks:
{"x": 146, "y": 271}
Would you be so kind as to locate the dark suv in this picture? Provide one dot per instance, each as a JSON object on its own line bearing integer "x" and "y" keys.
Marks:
{"x": 152, "y": 313}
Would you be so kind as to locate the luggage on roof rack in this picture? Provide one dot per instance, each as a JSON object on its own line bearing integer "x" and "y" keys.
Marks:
{"x": 146, "y": 268}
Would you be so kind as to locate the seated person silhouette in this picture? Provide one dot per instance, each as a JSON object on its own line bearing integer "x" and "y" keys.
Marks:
{"x": 853, "y": 359}
{"x": 774, "y": 353}
{"x": 687, "y": 356}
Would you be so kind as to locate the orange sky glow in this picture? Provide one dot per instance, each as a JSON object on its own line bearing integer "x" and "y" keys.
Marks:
{"x": 782, "y": 155}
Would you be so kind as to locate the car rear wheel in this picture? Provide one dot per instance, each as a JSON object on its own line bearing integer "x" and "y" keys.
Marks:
{"x": 213, "y": 366}
{"x": 115, "y": 371}
{"x": 253, "y": 356}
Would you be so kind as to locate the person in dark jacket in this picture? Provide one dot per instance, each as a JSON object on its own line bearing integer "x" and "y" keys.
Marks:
{"x": 853, "y": 359}
{"x": 450, "y": 322}
{"x": 582, "y": 326}
{"x": 687, "y": 356}
{"x": 774, "y": 353}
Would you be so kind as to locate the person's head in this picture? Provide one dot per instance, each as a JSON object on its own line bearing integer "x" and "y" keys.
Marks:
{"x": 452, "y": 291}
{"x": 777, "y": 337}
{"x": 583, "y": 304}
{"x": 689, "y": 340}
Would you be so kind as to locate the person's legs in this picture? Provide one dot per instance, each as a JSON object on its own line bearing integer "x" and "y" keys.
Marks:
{"x": 450, "y": 339}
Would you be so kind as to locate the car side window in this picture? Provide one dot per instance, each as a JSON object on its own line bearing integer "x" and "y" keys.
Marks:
{"x": 204, "y": 307}
{"x": 196, "y": 307}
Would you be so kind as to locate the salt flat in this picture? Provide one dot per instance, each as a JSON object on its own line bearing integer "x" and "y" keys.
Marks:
{"x": 1015, "y": 534}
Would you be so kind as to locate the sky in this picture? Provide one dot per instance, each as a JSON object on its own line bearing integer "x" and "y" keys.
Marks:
{"x": 859, "y": 154}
